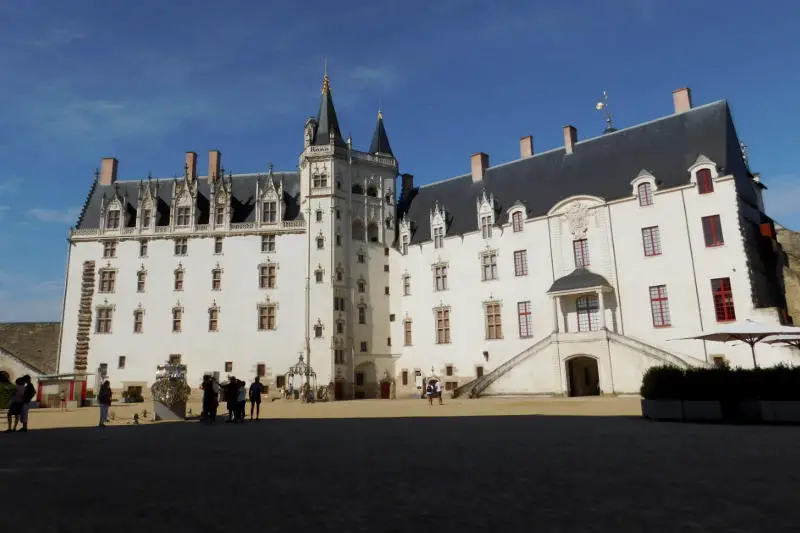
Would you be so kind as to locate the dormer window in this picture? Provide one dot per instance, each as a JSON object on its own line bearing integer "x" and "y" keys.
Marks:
{"x": 219, "y": 215}
{"x": 404, "y": 245}
{"x": 362, "y": 285}
{"x": 486, "y": 226}
{"x": 372, "y": 191}
{"x": 320, "y": 181}
{"x": 516, "y": 221}
{"x": 645, "y": 193}
{"x": 269, "y": 214}
{"x": 147, "y": 217}
{"x": 705, "y": 184}
{"x": 112, "y": 219}
{"x": 438, "y": 237}
{"x": 183, "y": 216}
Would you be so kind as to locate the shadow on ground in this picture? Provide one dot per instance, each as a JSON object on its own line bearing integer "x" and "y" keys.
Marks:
{"x": 520, "y": 473}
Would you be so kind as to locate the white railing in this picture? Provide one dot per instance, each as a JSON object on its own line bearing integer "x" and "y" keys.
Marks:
{"x": 375, "y": 159}
{"x": 202, "y": 227}
{"x": 288, "y": 226}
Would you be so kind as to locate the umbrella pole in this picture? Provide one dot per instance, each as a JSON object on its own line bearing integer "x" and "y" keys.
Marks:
{"x": 753, "y": 351}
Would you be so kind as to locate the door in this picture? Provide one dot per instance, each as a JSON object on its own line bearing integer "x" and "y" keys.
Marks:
{"x": 338, "y": 389}
{"x": 386, "y": 389}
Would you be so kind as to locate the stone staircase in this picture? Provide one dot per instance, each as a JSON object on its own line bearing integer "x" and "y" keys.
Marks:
{"x": 662, "y": 355}
{"x": 84, "y": 318}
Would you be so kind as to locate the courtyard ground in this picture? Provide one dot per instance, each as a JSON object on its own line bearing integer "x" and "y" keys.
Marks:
{"x": 561, "y": 465}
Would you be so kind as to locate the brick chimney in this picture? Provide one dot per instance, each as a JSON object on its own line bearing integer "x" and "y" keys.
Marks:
{"x": 214, "y": 164}
{"x": 682, "y": 98}
{"x": 191, "y": 164}
{"x": 526, "y": 146}
{"x": 108, "y": 171}
{"x": 407, "y": 185}
{"x": 480, "y": 162}
{"x": 570, "y": 138}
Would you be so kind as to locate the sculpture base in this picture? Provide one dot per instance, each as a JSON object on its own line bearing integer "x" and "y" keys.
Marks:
{"x": 169, "y": 413}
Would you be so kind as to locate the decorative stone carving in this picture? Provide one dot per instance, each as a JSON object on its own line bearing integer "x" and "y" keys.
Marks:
{"x": 578, "y": 219}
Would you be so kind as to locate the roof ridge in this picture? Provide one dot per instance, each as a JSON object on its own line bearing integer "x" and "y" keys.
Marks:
{"x": 243, "y": 175}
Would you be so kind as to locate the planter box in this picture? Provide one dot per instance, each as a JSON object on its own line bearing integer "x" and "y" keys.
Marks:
{"x": 165, "y": 412}
{"x": 747, "y": 411}
{"x": 780, "y": 411}
{"x": 702, "y": 411}
{"x": 662, "y": 409}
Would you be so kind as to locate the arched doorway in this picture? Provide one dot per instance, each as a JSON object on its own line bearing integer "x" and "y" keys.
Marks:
{"x": 366, "y": 384}
{"x": 338, "y": 389}
{"x": 583, "y": 376}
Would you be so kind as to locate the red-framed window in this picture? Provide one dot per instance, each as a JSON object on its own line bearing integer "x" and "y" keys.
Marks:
{"x": 712, "y": 231}
{"x": 723, "y": 299}
{"x": 524, "y": 318}
{"x": 588, "y": 313}
{"x": 580, "y": 248}
{"x": 659, "y": 306}
{"x": 516, "y": 221}
{"x": 651, "y": 241}
{"x": 521, "y": 263}
{"x": 704, "y": 183}
{"x": 645, "y": 193}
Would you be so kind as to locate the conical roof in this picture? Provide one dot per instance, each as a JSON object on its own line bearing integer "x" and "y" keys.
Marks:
{"x": 326, "y": 119}
{"x": 380, "y": 141}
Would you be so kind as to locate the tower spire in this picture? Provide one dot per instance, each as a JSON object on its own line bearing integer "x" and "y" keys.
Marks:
{"x": 327, "y": 128}
{"x": 380, "y": 140}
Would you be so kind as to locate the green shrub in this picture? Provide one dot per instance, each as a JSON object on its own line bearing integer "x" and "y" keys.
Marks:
{"x": 662, "y": 382}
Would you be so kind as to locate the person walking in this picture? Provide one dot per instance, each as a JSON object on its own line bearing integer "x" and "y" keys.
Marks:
{"x": 28, "y": 394}
{"x": 439, "y": 392}
{"x": 256, "y": 389}
{"x": 104, "y": 400}
{"x": 430, "y": 390}
{"x": 15, "y": 404}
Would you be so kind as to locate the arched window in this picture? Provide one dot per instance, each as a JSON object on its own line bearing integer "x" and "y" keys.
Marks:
{"x": 357, "y": 189}
{"x": 704, "y": 183}
{"x": 373, "y": 233}
{"x": 372, "y": 191}
{"x": 358, "y": 230}
{"x": 645, "y": 193}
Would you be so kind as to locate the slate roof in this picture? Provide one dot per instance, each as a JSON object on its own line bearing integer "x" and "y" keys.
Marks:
{"x": 580, "y": 278}
{"x": 326, "y": 119}
{"x": 35, "y": 343}
{"x": 603, "y": 166}
{"x": 243, "y": 189}
{"x": 380, "y": 141}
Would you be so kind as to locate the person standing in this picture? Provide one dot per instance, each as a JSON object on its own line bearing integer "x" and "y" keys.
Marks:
{"x": 28, "y": 394}
{"x": 104, "y": 400}
{"x": 209, "y": 411}
{"x": 15, "y": 404}
{"x": 439, "y": 392}
{"x": 256, "y": 389}
{"x": 231, "y": 397}
{"x": 430, "y": 391}
{"x": 241, "y": 398}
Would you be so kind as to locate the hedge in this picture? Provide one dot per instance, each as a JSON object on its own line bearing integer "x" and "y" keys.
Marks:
{"x": 778, "y": 383}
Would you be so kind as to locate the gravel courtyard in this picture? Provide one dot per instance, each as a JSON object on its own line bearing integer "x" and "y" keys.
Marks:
{"x": 501, "y": 473}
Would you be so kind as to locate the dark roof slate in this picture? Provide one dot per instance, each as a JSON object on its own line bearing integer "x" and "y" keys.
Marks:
{"x": 35, "y": 343}
{"x": 580, "y": 278}
{"x": 327, "y": 122}
{"x": 603, "y": 166}
{"x": 380, "y": 140}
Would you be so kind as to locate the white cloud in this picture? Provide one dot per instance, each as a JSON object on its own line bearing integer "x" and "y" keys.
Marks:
{"x": 383, "y": 77}
{"x": 67, "y": 216}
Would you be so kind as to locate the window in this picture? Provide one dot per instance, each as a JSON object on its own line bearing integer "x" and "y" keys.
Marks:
{"x": 338, "y": 239}
{"x": 362, "y": 315}
{"x": 181, "y": 246}
{"x": 318, "y": 275}
{"x": 357, "y": 189}
{"x": 719, "y": 361}
{"x": 318, "y": 331}
{"x": 361, "y": 258}
{"x": 489, "y": 266}
{"x": 261, "y": 370}
{"x": 651, "y": 241}
{"x": 178, "y": 285}
{"x": 121, "y": 362}
{"x": 103, "y": 369}
{"x": 216, "y": 279}
{"x": 404, "y": 377}
{"x": 404, "y": 245}
{"x": 486, "y": 226}
{"x": 320, "y": 242}
{"x": 362, "y": 285}
{"x": 267, "y": 276}
{"x": 705, "y": 184}
{"x": 183, "y": 216}
{"x": 712, "y": 231}
{"x": 659, "y": 306}
{"x": 109, "y": 249}
{"x": 340, "y": 327}
{"x": 443, "y": 326}
{"x": 319, "y": 215}
{"x": 146, "y": 218}
{"x": 338, "y": 213}
{"x": 494, "y": 326}
{"x": 524, "y": 319}
{"x": 267, "y": 317}
{"x": 386, "y": 291}
{"x": 104, "y": 316}
{"x": 363, "y": 349}
{"x": 268, "y": 243}
{"x": 213, "y": 319}
{"x": 112, "y": 219}
{"x": 141, "y": 278}
{"x": 174, "y": 359}
{"x": 338, "y": 303}
{"x": 521, "y": 263}
{"x": 448, "y": 370}
{"x": 516, "y": 221}
{"x": 217, "y": 245}
{"x": 372, "y": 191}
{"x": 228, "y": 366}
{"x": 269, "y": 213}
{"x": 280, "y": 381}
{"x": 723, "y": 299}
{"x": 645, "y": 193}
{"x": 143, "y": 248}
{"x": 339, "y": 274}
{"x": 438, "y": 237}
{"x": 391, "y": 317}
{"x": 580, "y": 249}
{"x": 440, "y": 277}
{"x": 588, "y": 313}
{"x": 386, "y": 268}
{"x": 108, "y": 280}
{"x": 478, "y": 371}
{"x": 388, "y": 341}
{"x": 358, "y": 230}
{"x": 219, "y": 215}
{"x": 338, "y": 357}
{"x": 406, "y": 285}
{"x": 373, "y": 233}
{"x": 138, "y": 321}
{"x": 177, "y": 320}
{"x": 320, "y": 181}
{"x": 407, "y": 333}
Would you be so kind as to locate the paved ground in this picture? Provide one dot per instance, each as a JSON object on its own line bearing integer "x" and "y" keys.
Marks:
{"x": 493, "y": 474}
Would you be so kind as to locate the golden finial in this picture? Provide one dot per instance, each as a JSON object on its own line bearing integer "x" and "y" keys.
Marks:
{"x": 380, "y": 112}
{"x": 326, "y": 84}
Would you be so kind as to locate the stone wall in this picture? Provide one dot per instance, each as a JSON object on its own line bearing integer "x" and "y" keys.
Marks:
{"x": 790, "y": 241}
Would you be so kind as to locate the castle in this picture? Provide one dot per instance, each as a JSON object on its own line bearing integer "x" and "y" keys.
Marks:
{"x": 569, "y": 271}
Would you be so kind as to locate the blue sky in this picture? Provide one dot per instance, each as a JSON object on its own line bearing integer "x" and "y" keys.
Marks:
{"x": 146, "y": 81}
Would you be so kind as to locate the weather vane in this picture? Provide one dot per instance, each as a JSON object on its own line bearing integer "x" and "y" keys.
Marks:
{"x": 603, "y": 106}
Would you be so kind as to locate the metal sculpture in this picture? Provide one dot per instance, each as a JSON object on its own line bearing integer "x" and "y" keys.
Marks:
{"x": 170, "y": 387}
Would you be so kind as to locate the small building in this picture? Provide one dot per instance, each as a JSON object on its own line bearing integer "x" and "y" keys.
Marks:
{"x": 29, "y": 348}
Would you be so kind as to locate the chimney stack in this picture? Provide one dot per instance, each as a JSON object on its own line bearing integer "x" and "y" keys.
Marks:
{"x": 480, "y": 162}
{"x": 108, "y": 171}
{"x": 214, "y": 164}
{"x": 191, "y": 164}
{"x": 570, "y": 138}
{"x": 526, "y": 147}
{"x": 407, "y": 185}
{"x": 682, "y": 98}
